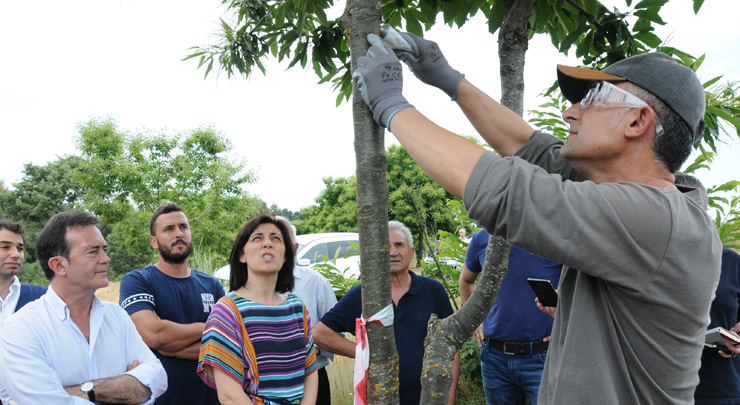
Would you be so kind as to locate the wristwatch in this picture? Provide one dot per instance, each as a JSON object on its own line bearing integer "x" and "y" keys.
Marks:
{"x": 89, "y": 389}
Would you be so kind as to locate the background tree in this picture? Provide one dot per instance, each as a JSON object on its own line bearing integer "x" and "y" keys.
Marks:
{"x": 42, "y": 192}
{"x": 335, "y": 209}
{"x": 285, "y": 213}
{"x": 128, "y": 176}
{"x": 413, "y": 198}
{"x": 416, "y": 200}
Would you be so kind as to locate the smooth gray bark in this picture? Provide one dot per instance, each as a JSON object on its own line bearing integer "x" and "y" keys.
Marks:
{"x": 513, "y": 42}
{"x": 361, "y": 18}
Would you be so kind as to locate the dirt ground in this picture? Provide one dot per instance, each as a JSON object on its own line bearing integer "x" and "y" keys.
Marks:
{"x": 109, "y": 293}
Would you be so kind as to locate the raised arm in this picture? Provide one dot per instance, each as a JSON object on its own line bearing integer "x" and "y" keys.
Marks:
{"x": 503, "y": 129}
{"x": 429, "y": 145}
{"x": 380, "y": 82}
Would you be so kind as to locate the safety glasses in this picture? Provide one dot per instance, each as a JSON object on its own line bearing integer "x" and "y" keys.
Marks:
{"x": 605, "y": 94}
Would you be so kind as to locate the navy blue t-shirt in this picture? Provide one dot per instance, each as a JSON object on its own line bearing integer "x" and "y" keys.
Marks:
{"x": 410, "y": 318}
{"x": 180, "y": 300}
{"x": 719, "y": 378}
{"x": 514, "y": 317}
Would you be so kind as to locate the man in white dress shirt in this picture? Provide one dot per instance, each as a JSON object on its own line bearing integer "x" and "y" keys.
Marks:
{"x": 68, "y": 347}
{"x": 13, "y": 294}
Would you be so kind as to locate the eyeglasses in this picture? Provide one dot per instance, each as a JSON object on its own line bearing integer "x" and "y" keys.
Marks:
{"x": 605, "y": 94}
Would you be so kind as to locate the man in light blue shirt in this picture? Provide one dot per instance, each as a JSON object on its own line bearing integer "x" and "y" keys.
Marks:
{"x": 13, "y": 294}
{"x": 68, "y": 347}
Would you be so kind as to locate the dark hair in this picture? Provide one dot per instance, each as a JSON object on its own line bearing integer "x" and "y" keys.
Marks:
{"x": 15, "y": 227}
{"x": 673, "y": 146}
{"x": 238, "y": 276}
{"x": 687, "y": 180}
{"x": 161, "y": 210}
{"x": 52, "y": 240}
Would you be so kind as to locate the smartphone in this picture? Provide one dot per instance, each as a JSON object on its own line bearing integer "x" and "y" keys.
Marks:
{"x": 717, "y": 337}
{"x": 544, "y": 291}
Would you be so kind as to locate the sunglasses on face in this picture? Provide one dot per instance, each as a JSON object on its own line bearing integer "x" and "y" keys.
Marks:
{"x": 605, "y": 94}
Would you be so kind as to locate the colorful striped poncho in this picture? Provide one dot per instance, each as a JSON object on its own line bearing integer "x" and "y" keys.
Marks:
{"x": 278, "y": 354}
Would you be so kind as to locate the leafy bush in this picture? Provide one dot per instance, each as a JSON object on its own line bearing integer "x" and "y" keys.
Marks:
{"x": 32, "y": 273}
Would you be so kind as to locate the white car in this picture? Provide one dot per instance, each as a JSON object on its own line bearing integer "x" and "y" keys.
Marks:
{"x": 314, "y": 248}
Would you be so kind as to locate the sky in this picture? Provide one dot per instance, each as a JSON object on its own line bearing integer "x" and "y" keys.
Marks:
{"x": 64, "y": 63}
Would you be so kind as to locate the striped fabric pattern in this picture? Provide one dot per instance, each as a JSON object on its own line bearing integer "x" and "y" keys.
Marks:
{"x": 278, "y": 339}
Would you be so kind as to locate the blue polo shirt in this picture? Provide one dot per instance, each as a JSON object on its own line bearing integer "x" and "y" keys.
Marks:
{"x": 410, "y": 317}
{"x": 514, "y": 316}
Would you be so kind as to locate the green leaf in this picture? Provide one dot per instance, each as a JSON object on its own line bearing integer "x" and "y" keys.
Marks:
{"x": 497, "y": 16}
{"x": 413, "y": 26}
{"x": 729, "y": 186}
{"x": 724, "y": 115}
{"x": 697, "y": 5}
{"x": 711, "y": 81}
{"x": 650, "y": 3}
{"x": 650, "y": 14}
{"x": 649, "y": 39}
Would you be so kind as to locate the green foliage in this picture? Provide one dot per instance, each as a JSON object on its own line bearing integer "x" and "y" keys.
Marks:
{"x": 416, "y": 200}
{"x": 445, "y": 265}
{"x": 339, "y": 278}
{"x": 549, "y": 117}
{"x": 301, "y": 33}
{"x": 286, "y": 30}
{"x": 128, "y": 244}
{"x": 336, "y": 209}
{"x": 205, "y": 261}
{"x": 470, "y": 360}
{"x": 42, "y": 192}
{"x": 32, "y": 273}
{"x": 285, "y": 213}
{"x": 413, "y": 198}
{"x": 127, "y": 176}
{"x": 727, "y": 221}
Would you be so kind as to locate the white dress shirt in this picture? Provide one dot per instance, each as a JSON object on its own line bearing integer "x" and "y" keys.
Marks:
{"x": 42, "y": 351}
{"x": 7, "y": 306}
{"x": 318, "y": 296}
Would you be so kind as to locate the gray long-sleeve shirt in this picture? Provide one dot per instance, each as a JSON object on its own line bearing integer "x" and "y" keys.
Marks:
{"x": 640, "y": 267}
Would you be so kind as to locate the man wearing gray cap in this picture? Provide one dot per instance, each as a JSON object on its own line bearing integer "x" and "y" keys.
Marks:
{"x": 641, "y": 257}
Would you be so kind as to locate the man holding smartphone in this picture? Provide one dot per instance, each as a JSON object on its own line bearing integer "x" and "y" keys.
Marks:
{"x": 514, "y": 337}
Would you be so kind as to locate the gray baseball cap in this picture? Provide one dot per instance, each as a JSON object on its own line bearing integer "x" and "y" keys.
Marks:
{"x": 675, "y": 84}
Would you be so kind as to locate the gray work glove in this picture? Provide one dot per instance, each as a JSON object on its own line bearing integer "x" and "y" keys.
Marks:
{"x": 428, "y": 63}
{"x": 380, "y": 81}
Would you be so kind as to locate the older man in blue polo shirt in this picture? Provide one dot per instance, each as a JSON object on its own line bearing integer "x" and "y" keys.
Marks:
{"x": 415, "y": 298}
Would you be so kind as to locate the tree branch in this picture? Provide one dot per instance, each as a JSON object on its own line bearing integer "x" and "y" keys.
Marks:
{"x": 446, "y": 337}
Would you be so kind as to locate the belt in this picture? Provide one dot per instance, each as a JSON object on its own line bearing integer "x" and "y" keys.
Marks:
{"x": 512, "y": 348}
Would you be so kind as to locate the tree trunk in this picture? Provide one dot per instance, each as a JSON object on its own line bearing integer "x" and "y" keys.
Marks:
{"x": 361, "y": 18}
{"x": 445, "y": 337}
{"x": 512, "y": 46}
